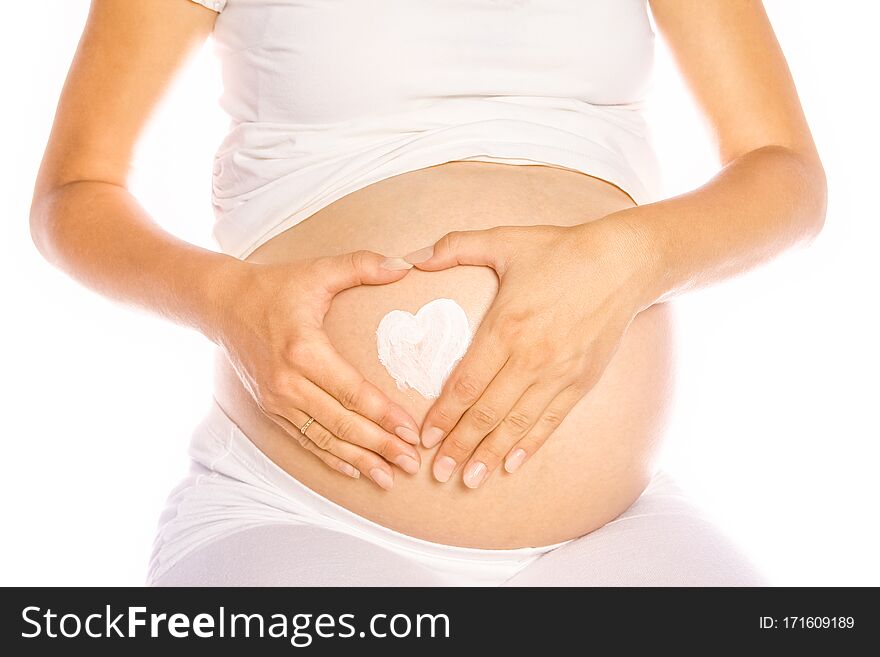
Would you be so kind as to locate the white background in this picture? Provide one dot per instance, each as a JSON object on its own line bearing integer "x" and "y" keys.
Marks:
{"x": 775, "y": 428}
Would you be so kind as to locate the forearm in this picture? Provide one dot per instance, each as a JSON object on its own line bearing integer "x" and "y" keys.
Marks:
{"x": 100, "y": 235}
{"x": 759, "y": 205}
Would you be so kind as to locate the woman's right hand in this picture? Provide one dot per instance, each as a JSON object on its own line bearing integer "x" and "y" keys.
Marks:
{"x": 271, "y": 328}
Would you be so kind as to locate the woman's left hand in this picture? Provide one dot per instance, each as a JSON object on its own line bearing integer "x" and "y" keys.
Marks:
{"x": 565, "y": 299}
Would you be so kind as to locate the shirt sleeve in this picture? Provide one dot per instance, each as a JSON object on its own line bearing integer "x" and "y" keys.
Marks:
{"x": 216, "y": 5}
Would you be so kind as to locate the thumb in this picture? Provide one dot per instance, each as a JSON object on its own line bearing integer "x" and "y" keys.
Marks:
{"x": 359, "y": 268}
{"x": 460, "y": 247}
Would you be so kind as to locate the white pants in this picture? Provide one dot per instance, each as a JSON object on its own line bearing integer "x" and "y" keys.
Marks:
{"x": 239, "y": 520}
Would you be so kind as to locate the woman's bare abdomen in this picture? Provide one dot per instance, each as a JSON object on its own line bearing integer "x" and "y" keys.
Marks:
{"x": 597, "y": 461}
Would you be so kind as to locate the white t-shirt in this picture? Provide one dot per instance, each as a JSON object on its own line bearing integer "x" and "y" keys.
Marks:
{"x": 328, "y": 96}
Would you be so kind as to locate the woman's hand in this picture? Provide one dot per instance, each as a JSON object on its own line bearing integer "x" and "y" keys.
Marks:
{"x": 272, "y": 332}
{"x": 565, "y": 299}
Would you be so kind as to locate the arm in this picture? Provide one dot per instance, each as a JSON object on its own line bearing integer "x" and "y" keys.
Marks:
{"x": 771, "y": 193}
{"x": 83, "y": 218}
{"x": 86, "y": 222}
{"x": 568, "y": 295}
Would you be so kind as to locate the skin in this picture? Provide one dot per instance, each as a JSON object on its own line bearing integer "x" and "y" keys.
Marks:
{"x": 85, "y": 221}
{"x": 567, "y": 294}
{"x": 504, "y": 398}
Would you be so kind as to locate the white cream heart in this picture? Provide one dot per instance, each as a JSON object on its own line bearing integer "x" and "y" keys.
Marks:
{"x": 419, "y": 351}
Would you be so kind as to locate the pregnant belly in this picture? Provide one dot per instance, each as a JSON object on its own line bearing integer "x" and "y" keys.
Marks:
{"x": 597, "y": 461}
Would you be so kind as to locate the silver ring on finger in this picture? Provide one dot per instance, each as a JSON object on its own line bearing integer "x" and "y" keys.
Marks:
{"x": 306, "y": 425}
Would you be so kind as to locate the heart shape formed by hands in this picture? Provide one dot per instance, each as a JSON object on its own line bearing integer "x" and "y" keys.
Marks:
{"x": 420, "y": 351}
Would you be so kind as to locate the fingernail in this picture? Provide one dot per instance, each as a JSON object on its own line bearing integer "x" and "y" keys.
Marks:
{"x": 443, "y": 468}
{"x": 382, "y": 478}
{"x": 407, "y": 463}
{"x": 515, "y": 460}
{"x": 475, "y": 474}
{"x": 407, "y": 434}
{"x": 431, "y": 436}
{"x": 350, "y": 470}
{"x": 395, "y": 264}
{"x": 421, "y": 255}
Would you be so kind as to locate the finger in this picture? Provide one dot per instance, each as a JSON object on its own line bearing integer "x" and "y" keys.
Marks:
{"x": 550, "y": 419}
{"x": 479, "y": 420}
{"x": 484, "y": 358}
{"x": 513, "y": 428}
{"x": 326, "y": 368}
{"x": 460, "y": 247}
{"x": 362, "y": 459}
{"x": 353, "y": 428}
{"x": 366, "y": 461}
{"x": 337, "y": 273}
{"x": 328, "y": 457}
{"x": 347, "y": 458}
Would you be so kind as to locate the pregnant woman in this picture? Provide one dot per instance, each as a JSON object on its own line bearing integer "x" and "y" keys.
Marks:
{"x": 441, "y": 298}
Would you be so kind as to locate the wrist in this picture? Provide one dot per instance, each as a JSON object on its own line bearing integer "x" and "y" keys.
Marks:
{"x": 221, "y": 284}
{"x": 638, "y": 254}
